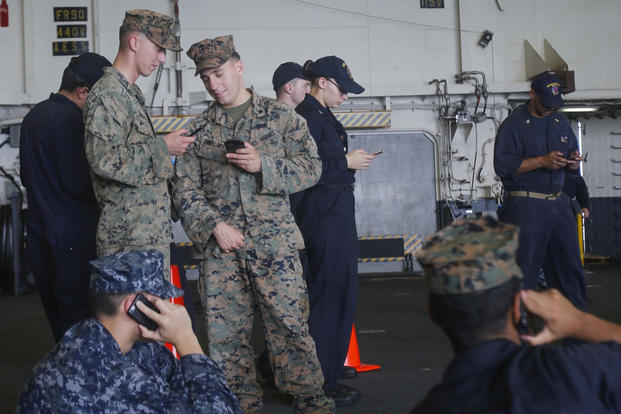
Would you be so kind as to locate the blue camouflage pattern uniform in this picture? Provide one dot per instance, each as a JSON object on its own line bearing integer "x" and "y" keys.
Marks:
{"x": 86, "y": 372}
{"x": 265, "y": 275}
{"x": 130, "y": 165}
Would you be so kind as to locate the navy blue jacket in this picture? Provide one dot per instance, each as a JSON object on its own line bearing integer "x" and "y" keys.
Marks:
{"x": 499, "y": 376}
{"x": 54, "y": 169}
{"x": 518, "y": 138}
{"x": 331, "y": 141}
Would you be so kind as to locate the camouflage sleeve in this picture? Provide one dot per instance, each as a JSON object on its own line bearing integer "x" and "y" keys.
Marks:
{"x": 198, "y": 217}
{"x": 136, "y": 160}
{"x": 207, "y": 386}
{"x": 194, "y": 384}
{"x": 301, "y": 166}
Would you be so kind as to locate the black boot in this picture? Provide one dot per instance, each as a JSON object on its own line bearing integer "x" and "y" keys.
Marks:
{"x": 344, "y": 395}
{"x": 349, "y": 373}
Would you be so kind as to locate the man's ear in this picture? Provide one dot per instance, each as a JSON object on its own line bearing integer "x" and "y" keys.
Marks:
{"x": 133, "y": 41}
{"x": 239, "y": 67}
{"x": 83, "y": 93}
{"x": 127, "y": 302}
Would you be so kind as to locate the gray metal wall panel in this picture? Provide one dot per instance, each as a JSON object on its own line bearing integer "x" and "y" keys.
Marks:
{"x": 396, "y": 194}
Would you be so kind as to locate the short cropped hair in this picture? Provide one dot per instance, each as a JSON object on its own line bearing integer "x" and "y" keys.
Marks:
{"x": 106, "y": 304}
{"x": 470, "y": 318}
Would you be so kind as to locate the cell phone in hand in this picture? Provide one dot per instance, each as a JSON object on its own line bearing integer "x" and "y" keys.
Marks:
{"x": 378, "y": 152}
{"x": 137, "y": 315}
{"x": 529, "y": 323}
{"x": 233, "y": 145}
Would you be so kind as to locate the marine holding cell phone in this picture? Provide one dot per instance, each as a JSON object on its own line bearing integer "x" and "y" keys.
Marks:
{"x": 231, "y": 189}
{"x": 115, "y": 361}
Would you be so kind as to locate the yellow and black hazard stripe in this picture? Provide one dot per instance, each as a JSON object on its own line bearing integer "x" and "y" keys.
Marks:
{"x": 166, "y": 124}
{"x": 411, "y": 243}
{"x": 350, "y": 120}
{"x": 368, "y": 119}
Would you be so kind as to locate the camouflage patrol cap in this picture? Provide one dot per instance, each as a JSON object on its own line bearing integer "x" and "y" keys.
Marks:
{"x": 211, "y": 53}
{"x": 132, "y": 271}
{"x": 470, "y": 255}
{"x": 156, "y": 26}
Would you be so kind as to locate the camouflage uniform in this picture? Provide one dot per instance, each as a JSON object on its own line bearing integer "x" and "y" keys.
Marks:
{"x": 470, "y": 255}
{"x": 497, "y": 374}
{"x": 130, "y": 165}
{"x": 86, "y": 372}
{"x": 265, "y": 274}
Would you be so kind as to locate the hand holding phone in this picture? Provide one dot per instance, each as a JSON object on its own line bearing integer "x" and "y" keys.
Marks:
{"x": 137, "y": 315}
{"x": 233, "y": 145}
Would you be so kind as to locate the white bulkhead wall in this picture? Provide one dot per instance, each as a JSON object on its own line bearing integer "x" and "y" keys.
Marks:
{"x": 393, "y": 47}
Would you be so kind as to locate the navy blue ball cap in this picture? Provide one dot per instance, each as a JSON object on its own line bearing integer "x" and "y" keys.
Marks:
{"x": 285, "y": 73}
{"x": 132, "y": 271}
{"x": 335, "y": 68}
{"x": 547, "y": 86}
{"x": 88, "y": 66}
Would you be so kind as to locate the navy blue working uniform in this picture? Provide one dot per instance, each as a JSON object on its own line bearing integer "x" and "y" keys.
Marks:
{"x": 326, "y": 218}
{"x": 548, "y": 236}
{"x": 500, "y": 376}
{"x": 62, "y": 210}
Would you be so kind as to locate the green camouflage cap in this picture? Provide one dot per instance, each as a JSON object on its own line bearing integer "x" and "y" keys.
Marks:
{"x": 156, "y": 26}
{"x": 211, "y": 53}
{"x": 470, "y": 255}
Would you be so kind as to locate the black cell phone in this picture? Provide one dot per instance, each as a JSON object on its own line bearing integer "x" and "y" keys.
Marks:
{"x": 233, "y": 145}
{"x": 529, "y": 323}
{"x": 137, "y": 315}
{"x": 522, "y": 325}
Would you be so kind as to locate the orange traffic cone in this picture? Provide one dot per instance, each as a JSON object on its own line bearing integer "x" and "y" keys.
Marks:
{"x": 353, "y": 355}
{"x": 175, "y": 280}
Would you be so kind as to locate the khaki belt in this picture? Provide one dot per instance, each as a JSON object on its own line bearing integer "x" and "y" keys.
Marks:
{"x": 531, "y": 194}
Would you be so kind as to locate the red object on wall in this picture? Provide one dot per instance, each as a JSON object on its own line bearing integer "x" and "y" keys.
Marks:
{"x": 4, "y": 14}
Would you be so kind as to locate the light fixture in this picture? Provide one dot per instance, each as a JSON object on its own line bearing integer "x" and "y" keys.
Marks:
{"x": 579, "y": 108}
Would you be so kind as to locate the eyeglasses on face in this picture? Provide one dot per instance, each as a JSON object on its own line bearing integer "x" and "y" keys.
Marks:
{"x": 341, "y": 90}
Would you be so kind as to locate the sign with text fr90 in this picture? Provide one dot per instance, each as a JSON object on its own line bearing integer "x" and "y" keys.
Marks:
{"x": 70, "y": 14}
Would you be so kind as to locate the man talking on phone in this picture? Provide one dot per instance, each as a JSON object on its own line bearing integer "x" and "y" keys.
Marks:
{"x": 111, "y": 363}
{"x": 474, "y": 296}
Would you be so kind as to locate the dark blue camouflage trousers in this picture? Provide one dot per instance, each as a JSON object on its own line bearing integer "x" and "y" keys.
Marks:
{"x": 232, "y": 291}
